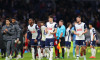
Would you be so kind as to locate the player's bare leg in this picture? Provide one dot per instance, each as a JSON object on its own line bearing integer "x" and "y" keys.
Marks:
{"x": 68, "y": 51}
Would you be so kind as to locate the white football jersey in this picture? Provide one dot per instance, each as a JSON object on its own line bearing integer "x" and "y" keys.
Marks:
{"x": 43, "y": 33}
{"x": 68, "y": 35}
{"x": 50, "y": 28}
{"x": 33, "y": 29}
{"x": 80, "y": 28}
{"x": 93, "y": 32}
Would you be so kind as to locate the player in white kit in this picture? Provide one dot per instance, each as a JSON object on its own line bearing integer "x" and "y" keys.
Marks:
{"x": 80, "y": 30}
{"x": 94, "y": 39}
{"x": 51, "y": 29}
{"x": 68, "y": 38}
{"x": 34, "y": 29}
{"x": 43, "y": 39}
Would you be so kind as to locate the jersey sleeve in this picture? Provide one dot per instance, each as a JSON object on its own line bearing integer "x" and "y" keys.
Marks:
{"x": 94, "y": 32}
{"x": 38, "y": 31}
{"x": 28, "y": 34}
{"x": 55, "y": 26}
{"x": 46, "y": 25}
{"x": 85, "y": 27}
{"x": 74, "y": 28}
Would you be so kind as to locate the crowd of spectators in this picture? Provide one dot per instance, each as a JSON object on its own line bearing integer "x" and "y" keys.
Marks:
{"x": 66, "y": 10}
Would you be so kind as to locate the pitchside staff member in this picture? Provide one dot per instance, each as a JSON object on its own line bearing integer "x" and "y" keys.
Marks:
{"x": 7, "y": 32}
{"x": 20, "y": 44}
{"x": 15, "y": 36}
{"x": 2, "y": 44}
{"x": 62, "y": 30}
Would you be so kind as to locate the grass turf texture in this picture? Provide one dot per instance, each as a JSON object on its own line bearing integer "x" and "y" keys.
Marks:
{"x": 27, "y": 56}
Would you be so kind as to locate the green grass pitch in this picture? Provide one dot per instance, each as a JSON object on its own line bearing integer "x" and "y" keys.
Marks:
{"x": 27, "y": 56}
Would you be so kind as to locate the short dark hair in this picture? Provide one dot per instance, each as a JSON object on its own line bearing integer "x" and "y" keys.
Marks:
{"x": 13, "y": 18}
{"x": 62, "y": 21}
{"x": 79, "y": 17}
{"x": 91, "y": 24}
{"x": 68, "y": 24}
{"x": 31, "y": 19}
{"x": 50, "y": 16}
{"x": 8, "y": 19}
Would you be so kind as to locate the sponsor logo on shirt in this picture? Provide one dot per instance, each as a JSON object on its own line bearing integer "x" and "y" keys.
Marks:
{"x": 79, "y": 29}
{"x": 49, "y": 28}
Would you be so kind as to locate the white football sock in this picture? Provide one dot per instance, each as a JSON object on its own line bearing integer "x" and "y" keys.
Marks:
{"x": 51, "y": 53}
{"x": 43, "y": 52}
{"x": 92, "y": 51}
{"x": 68, "y": 51}
{"x": 77, "y": 57}
{"x": 33, "y": 53}
{"x": 84, "y": 57}
{"x": 39, "y": 53}
{"x": 47, "y": 52}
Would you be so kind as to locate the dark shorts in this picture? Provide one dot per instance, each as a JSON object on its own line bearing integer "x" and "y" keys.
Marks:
{"x": 42, "y": 44}
{"x": 38, "y": 43}
{"x": 49, "y": 42}
{"x": 68, "y": 44}
{"x": 93, "y": 43}
{"x": 80, "y": 42}
{"x": 62, "y": 43}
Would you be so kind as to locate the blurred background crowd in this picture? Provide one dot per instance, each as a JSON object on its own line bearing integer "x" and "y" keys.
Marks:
{"x": 60, "y": 9}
